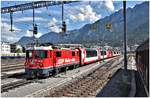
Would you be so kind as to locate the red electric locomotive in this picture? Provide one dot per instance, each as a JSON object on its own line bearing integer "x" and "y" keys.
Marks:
{"x": 43, "y": 61}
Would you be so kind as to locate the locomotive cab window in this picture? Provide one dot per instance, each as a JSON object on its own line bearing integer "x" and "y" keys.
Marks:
{"x": 58, "y": 54}
{"x": 40, "y": 54}
{"x": 73, "y": 53}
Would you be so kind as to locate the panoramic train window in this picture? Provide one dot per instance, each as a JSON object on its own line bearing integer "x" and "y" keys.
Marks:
{"x": 73, "y": 53}
{"x": 58, "y": 54}
{"x": 91, "y": 53}
{"x": 40, "y": 54}
{"x": 29, "y": 54}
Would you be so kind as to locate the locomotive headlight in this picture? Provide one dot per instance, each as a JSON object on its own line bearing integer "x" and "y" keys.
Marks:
{"x": 41, "y": 65}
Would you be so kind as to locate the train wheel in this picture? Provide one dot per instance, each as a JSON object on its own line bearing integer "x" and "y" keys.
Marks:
{"x": 66, "y": 69}
{"x": 50, "y": 73}
{"x": 78, "y": 65}
{"x": 55, "y": 71}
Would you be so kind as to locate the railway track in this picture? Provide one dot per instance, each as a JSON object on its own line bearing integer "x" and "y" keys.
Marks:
{"x": 11, "y": 85}
{"x": 87, "y": 85}
{"x": 15, "y": 75}
{"x": 11, "y": 68}
{"x": 6, "y": 62}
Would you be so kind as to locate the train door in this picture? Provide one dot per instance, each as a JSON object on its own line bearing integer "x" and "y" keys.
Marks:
{"x": 54, "y": 58}
{"x": 99, "y": 54}
{"x": 80, "y": 55}
{"x": 51, "y": 58}
{"x": 55, "y": 70}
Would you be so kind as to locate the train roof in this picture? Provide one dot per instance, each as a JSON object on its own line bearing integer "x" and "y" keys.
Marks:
{"x": 143, "y": 46}
{"x": 49, "y": 48}
{"x": 40, "y": 48}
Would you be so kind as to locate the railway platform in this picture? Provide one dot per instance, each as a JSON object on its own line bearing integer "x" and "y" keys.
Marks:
{"x": 121, "y": 86}
{"x": 10, "y": 73}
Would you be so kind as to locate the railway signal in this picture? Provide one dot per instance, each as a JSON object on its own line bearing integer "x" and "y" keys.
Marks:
{"x": 35, "y": 29}
{"x": 64, "y": 27}
{"x": 108, "y": 26}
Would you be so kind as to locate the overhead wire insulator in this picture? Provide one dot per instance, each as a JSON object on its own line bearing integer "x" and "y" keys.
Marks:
{"x": 11, "y": 21}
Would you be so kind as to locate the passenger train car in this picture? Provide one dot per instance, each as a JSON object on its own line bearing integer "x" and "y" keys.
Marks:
{"x": 142, "y": 63}
{"x": 12, "y": 55}
{"x": 43, "y": 61}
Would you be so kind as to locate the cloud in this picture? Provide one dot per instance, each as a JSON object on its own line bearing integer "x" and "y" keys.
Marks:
{"x": 54, "y": 25}
{"x": 28, "y": 19}
{"x": 37, "y": 11}
{"x": 84, "y": 13}
{"x": 7, "y": 35}
{"x": 52, "y": 22}
{"x": 73, "y": 17}
{"x": 5, "y": 20}
{"x": 81, "y": 17}
{"x": 109, "y": 4}
{"x": 30, "y": 34}
{"x": 38, "y": 35}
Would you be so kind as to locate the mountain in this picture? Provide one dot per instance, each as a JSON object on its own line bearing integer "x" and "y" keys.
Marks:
{"x": 25, "y": 40}
{"x": 137, "y": 29}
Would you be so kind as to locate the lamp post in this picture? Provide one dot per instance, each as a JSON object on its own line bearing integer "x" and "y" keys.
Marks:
{"x": 125, "y": 42}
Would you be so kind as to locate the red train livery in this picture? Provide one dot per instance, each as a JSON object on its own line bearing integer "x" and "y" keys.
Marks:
{"x": 43, "y": 61}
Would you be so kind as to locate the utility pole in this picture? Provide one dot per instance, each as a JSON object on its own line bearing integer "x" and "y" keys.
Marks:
{"x": 64, "y": 27}
{"x": 125, "y": 36}
{"x": 33, "y": 24}
{"x": 34, "y": 28}
{"x": 62, "y": 11}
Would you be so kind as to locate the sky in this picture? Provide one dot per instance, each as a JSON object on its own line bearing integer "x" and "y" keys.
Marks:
{"x": 48, "y": 19}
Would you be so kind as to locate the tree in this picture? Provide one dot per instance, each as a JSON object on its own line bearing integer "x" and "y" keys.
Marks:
{"x": 18, "y": 50}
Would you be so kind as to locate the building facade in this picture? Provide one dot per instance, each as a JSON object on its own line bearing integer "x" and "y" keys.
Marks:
{"x": 5, "y": 47}
{"x": 16, "y": 48}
